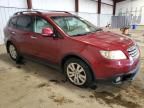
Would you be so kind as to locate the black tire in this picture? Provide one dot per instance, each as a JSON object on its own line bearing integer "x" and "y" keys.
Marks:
{"x": 18, "y": 58}
{"x": 86, "y": 68}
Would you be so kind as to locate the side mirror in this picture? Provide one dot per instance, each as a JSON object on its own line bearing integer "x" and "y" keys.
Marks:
{"x": 47, "y": 32}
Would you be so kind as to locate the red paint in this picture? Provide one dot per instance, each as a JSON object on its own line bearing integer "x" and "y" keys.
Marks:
{"x": 47, "y": 31}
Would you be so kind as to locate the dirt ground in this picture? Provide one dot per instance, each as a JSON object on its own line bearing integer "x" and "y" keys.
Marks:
{"x": 34, "y": 85}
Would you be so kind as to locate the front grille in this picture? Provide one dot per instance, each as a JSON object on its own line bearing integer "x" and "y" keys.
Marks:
{"x": 133, "y": 51}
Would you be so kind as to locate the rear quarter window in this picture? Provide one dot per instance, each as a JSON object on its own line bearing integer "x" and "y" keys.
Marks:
{"x": 12, "y": 22}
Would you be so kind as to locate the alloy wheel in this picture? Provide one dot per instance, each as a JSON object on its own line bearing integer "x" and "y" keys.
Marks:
{"x": 12, "y": 51}
{"x": 76, "y": 73}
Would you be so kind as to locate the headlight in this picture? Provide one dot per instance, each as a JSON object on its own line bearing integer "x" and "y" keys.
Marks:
{"x": 113, "y": 55}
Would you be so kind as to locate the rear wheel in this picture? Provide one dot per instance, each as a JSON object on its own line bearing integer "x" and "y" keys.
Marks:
{"x": 78, "y": 72}
{"x": 14, "y": 53}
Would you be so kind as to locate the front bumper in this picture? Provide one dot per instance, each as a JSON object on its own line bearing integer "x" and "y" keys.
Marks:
{"x": 126, "y": 77}
{"x": 113, "y": 72}
{"x": 120, "y": 78}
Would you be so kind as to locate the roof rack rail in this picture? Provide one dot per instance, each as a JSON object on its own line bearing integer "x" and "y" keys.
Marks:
{"x": 22, "y": 12}
{"x": 59, "y": 11}
{"x": 53, "y": 11}
{"x": 35, "y": 11}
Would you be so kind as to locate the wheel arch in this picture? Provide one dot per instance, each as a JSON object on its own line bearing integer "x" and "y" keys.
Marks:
{"x": 7, "y": 44}
{"x": 65, "y": 58}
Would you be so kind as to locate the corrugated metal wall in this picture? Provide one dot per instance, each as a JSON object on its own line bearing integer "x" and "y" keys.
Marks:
{"x": 121, "y": 21}
{"x": 5, "y": 14}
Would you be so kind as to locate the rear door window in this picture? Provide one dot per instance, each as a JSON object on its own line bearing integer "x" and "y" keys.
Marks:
{"x": 25, "y": 22}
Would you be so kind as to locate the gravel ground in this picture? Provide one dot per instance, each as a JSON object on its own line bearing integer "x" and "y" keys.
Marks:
{"x": 34, "y": 85}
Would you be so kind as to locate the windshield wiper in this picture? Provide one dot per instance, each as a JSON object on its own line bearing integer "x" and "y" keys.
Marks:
{"x": 100, "y": 29}
{"x": 88, "y": 32}
{"x": 82, "y": 34}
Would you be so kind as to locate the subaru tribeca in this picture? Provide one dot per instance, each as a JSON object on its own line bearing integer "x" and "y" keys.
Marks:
{"x": 82, "y": 51}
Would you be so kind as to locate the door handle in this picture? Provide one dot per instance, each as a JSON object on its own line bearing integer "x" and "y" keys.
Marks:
{"x": 13, "y": 32}
{"x": 33, "y": 37}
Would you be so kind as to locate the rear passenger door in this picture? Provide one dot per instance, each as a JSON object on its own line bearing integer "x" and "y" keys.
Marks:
{"x": 25, "y": 33}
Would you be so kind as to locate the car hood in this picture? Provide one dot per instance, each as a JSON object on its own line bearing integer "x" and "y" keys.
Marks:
{"x": 106, "y": 40}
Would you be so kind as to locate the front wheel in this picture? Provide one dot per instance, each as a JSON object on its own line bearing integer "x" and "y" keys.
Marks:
{"x": 78, "y": 72}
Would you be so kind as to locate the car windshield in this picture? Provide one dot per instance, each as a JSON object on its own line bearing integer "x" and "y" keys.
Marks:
{"x": 74, "y": 26}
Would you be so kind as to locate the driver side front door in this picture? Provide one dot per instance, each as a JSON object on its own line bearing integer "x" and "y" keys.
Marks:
{"x": 47, "y": 47}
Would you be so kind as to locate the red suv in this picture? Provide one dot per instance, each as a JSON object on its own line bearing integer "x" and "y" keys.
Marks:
{"x": 82, "y": 51}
